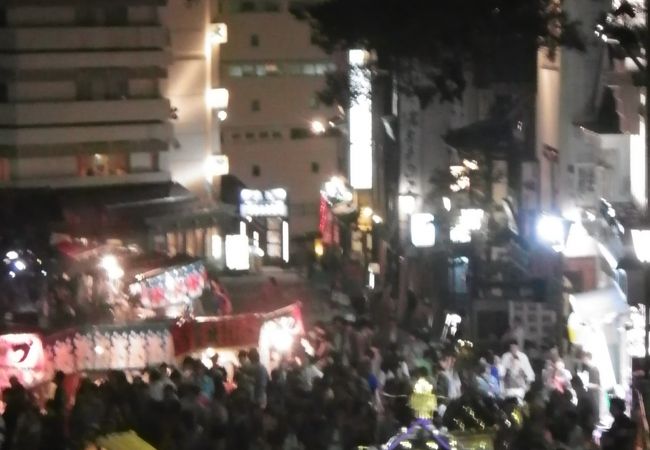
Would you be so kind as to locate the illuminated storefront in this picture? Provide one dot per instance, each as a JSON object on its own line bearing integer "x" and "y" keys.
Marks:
{"x": 271, "y": 208}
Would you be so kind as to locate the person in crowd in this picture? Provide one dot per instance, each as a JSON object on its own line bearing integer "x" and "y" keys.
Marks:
{"x": 621, "y": 435}
{"x": 486, "y": 381}
{"x": 448, "y": 385}
{"x": 556, "y": 377}
{"x": 259, "y": 376}
{"x": 350, "y": 389}
{"x": 590, "y": 376}
{"x": 517, "y": 374}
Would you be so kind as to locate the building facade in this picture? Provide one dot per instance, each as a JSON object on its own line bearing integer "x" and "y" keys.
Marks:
{"x": 276, "y": 133}
{"x": 80, "y": 97}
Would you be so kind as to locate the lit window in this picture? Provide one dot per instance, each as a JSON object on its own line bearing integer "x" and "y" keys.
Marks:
{"x": 235, "y": 70}
{"x": 272, "y": 69}
{"x": 260, "y": 70}
{"x": 321, "y": 69}
{"x": 309, "y": 69}
{"x": 248, "y": 70}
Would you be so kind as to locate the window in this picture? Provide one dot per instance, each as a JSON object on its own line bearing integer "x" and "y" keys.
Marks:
{"x": 248, "y": 70}
{"x": 3, "y": 17}
{"x": 272, "y": 69}
{"x": 309, "y": 69}
{"x": 256, "y": 170}
{"x": 271, "y": 6}
{"x": 235, "y": 71}
{"x": 315, "y": 167}
{"x": 255, "y": 40}
{"x": 247, "y": 6}
{"x": 299, "y": 133}
{"x": 4, "y": 93}
{"x": 236, "y": 136}
{"x": 255, "y": 105}
{"x": 116, "y": 15}
{"x": 263, "y": 135}
{"x": 250, "y": 135}
{"x": 277, "y": 135}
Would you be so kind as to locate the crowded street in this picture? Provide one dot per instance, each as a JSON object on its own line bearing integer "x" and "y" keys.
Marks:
{"x": 324, "y": 225}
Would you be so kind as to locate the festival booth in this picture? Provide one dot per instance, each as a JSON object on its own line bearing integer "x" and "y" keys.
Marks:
{"x": 170, "y": 289}
{"x": 34, "y": 358}
{"x": 274, "y": 334}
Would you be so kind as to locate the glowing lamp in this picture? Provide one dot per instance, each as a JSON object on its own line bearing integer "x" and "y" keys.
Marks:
{"x": 641, "y": 243}
{"x": 112, "y": 267}
{"x": 319, "y": 250}
{"x": 222, "y": 115}
{"x": 423, "y": 230}
{"x": 551, "y": 230}
{"x": 216, "y": 165}
{"x": 218, "y": 33}
{"x": 406, "y": 204}
{"x": 446, "y": 203}
{"x": 317, "y": 127}
{"x": 217, "y": 98}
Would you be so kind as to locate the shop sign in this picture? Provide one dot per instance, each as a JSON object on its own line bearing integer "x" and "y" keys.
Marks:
{"x": 268, "y": 203}
{"x": 21, "y": 356}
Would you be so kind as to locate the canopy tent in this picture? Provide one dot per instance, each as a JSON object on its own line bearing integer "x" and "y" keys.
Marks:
{"x": 123, "y": 441}
{"x": 600, "y": 305}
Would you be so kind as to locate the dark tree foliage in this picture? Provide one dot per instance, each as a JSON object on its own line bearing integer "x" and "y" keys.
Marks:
{"x": 625, "y": 30}
{"x": 430, "y": 45}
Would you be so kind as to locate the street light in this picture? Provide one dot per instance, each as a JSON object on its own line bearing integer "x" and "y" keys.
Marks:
{"x": 552, "y": 230}
{"x": 641, "y": 244}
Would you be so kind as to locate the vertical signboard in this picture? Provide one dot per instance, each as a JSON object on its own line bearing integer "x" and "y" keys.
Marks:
{"x": 360, "y": 121}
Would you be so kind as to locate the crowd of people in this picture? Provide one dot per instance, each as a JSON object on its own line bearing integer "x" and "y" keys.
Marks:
{"x": 346, "y": 384}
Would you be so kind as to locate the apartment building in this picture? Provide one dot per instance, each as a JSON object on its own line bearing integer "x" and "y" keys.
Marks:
{"x": 108, "y": 108}
{"x": 276, "y": 133}
{"x": 80, "y": 99}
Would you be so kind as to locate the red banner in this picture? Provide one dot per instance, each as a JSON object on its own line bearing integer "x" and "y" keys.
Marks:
{"x": 230, "y": 331}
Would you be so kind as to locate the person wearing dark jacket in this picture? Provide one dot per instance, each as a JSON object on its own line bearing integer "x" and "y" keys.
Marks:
{"x": 622, "y": 433}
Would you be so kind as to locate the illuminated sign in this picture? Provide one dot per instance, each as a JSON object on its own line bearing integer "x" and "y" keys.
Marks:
{"x": 269, "y": 203}
{"x": 360, "y": 121}
{"x": 237, "y": 252}
{"x": 218, "y": 33}
{"x": 217, "y": 98}
{"x": 216, "y": 165}
{"x": 22, "y": 356}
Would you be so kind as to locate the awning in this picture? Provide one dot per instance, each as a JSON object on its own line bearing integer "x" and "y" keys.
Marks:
{"x": 123, "y": 441}
{"x": 600, "y": 305}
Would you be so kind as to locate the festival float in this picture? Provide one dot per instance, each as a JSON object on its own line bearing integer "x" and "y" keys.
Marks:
{"x": 423, "y": 434}
{"x": 152, "y": 320}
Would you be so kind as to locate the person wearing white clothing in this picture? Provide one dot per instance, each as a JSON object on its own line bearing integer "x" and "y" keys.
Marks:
{"x": 517, "y": 373}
